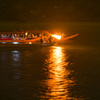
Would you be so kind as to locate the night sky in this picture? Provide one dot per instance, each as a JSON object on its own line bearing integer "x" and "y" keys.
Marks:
{"x": 49, "y": 10}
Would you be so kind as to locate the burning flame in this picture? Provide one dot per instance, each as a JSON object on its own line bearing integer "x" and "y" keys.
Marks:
{"x": 57, "y": 36}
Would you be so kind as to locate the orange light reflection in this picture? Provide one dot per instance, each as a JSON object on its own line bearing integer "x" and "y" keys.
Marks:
{"x": 57, "y": 81}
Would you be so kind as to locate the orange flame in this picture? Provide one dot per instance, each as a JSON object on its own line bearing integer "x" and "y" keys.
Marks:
{"x": 57, "y": 36}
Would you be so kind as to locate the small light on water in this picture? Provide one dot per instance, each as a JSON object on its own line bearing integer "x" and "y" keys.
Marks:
{"x": 15, "y": 57}
{"x": 30, "y": 42}
{"x": 15, "y": 42}
{"x": 3, "y": 42}
{"x": 15, "y": 51}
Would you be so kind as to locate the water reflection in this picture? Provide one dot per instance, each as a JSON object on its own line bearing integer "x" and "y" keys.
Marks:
{"x": 16, "y": 63}
{"x": 57, "y": 82}
{"x": 15, "y": 57}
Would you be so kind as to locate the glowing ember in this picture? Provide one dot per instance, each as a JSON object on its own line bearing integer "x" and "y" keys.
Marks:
{"x": 57, "y": 36}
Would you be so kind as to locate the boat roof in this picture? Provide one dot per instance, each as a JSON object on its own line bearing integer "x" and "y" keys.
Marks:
{"x": 24, "y": 31}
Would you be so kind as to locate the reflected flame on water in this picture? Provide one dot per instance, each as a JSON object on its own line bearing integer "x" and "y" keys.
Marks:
{"x": 57, "y": 82}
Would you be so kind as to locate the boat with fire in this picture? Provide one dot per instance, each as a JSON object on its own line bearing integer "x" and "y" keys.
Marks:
{"x": 42, "y": 37}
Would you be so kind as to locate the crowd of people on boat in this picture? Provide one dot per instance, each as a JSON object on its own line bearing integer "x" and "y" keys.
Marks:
{"x": 44, "y": 37}
{"x": 19, "y": 36}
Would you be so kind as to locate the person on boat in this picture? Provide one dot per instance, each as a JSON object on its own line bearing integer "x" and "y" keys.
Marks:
{"x": 50, "y": 39}
{"x": 41, "y": 40}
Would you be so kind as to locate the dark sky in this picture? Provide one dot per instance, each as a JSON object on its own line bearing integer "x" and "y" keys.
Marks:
{"x": 49, "y": 10}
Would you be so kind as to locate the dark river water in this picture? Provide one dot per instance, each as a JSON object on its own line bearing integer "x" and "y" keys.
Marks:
{"x": 62, "y": 72}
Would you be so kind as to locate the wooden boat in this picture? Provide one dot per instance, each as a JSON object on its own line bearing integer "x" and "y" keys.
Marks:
{"x": 47, "y": 39}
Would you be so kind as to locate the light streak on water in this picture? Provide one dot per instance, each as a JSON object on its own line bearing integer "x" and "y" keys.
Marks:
{"x": 57, "y": 82}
